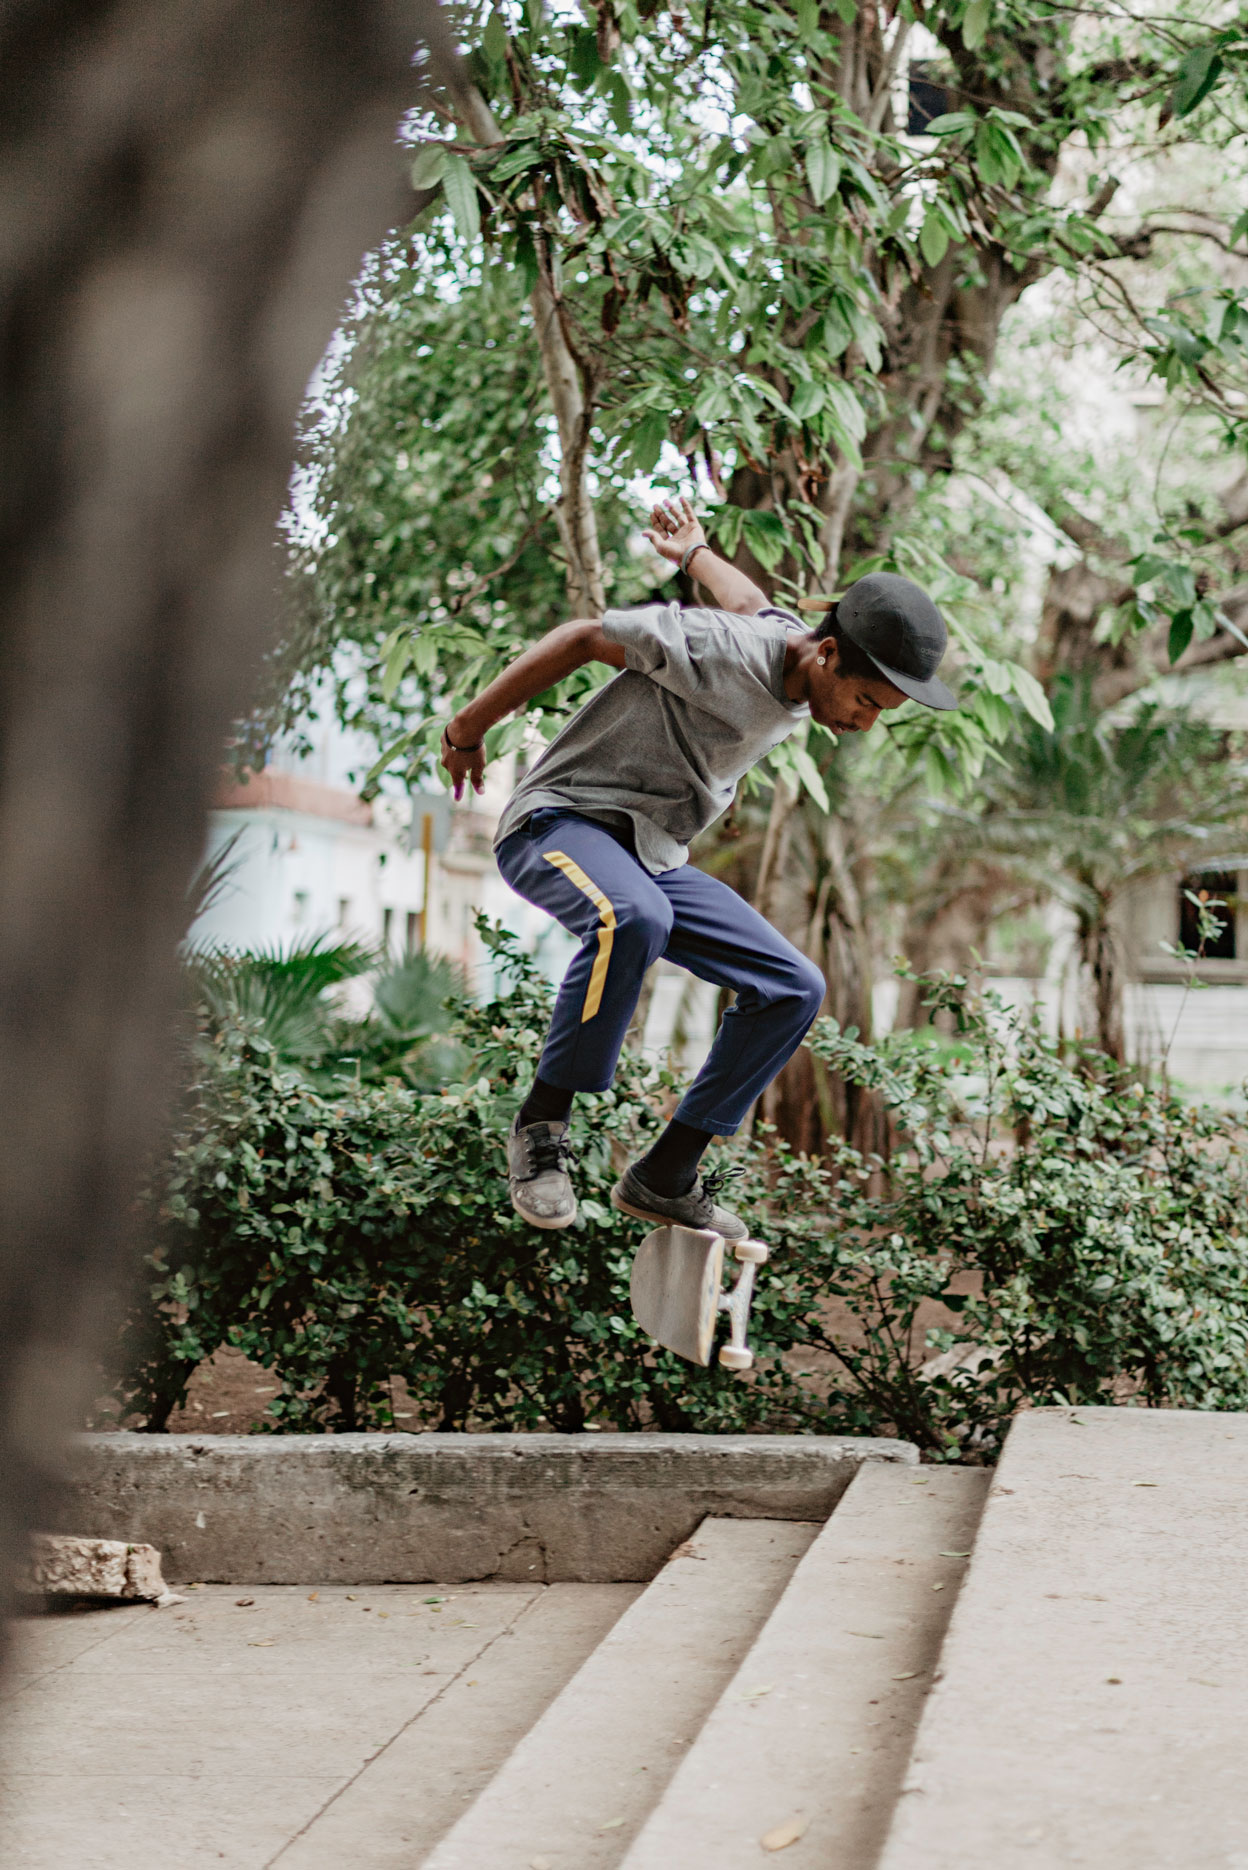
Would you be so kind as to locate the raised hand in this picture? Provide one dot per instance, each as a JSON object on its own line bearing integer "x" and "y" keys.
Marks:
{"x": 463, "y": 763}
{"x": 674, "y": 528}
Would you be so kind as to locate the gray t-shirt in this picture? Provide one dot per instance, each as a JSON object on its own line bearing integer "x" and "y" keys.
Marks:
{"x": 662, "y": 747}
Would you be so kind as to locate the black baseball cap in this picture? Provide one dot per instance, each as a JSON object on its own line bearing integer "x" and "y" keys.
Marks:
{"x": 898, "y": 627}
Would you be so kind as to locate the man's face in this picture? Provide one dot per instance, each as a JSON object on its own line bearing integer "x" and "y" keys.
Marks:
{"x": 848, "y": 704}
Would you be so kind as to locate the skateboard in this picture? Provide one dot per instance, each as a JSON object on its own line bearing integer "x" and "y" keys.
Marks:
{"x": 677, "y": 1292}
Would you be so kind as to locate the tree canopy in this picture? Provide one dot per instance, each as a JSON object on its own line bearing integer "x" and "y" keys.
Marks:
{"x": 773, "y": 255}
{"x": 767, "y": 248}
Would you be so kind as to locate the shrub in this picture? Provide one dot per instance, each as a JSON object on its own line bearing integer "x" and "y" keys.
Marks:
{"x": 342, "y": 1240}
{"x": 1087, "y": 1230}
{"x": 1079, "y": 1234}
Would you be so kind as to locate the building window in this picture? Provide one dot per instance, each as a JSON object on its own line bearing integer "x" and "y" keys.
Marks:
{"x": 931, "y": 95}
{"x": 300, "y": 911}
{"x": 413, "y": 931}
{"x": 1220, "y": 887}
{"x": 387, "y": 929}
{"x": 344, "y": 912}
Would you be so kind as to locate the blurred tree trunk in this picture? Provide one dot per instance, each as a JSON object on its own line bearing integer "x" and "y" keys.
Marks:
{"x": 189, "y": 189}
{"x": 1103, "y": 973}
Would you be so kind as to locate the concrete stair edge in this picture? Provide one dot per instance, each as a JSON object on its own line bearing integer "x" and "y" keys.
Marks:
{"x": 578, "y": 1785}
{"x": 810, "y": 1739}
{"x": 1094, "y": 1685}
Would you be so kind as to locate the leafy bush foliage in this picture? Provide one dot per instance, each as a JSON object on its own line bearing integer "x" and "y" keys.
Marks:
{"x": 1052, "y": 1230}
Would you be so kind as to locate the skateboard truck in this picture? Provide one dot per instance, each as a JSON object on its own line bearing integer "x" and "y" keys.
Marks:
{"x": 751, "y": 1254}
{"x": 677, "y": 1292}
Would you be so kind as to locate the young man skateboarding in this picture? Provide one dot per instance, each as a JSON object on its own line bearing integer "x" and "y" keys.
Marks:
{"x": 597, "y": 835}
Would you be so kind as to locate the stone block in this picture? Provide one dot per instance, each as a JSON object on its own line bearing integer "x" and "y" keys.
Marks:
{"x": 62, "y": 1565}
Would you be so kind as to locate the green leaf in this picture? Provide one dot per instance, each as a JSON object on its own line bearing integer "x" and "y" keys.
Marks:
{"x": 1198, "y": 74}
{"x": 807, "y": 20}
{"x": 461, "y": 197}
{"x": 849, "y": 411}
{"x": 975, "y": 23}
{"x": 427, "y": 166}
{"x": 775, "y": 154}
{"x": 834, "y": 330}
{"x": 766, "y": 538}
{"x": 808, "y": 399}
{"x": 583, "y": 59}
{"x": 950, "y": 123}
{"x": 809, "y": 775}
{"x": 396, "y": 662}
{"x": 620, "y": 103}
{"x": 402, "y": 745}
{"x": 933, "y": 237}
{"x": 1146, "y": 568}
{"x": 1032, "y": 696}
{"x": 725, "y": 525}
{"x": 1239, "y": 229}
{"x": 997, "y": 154}
{"x": 713, "y": 401}
{"x": 938, "y": 772}
{"x": 494, "y": 39}
{"x": 647, "y": 439}
{"x": 823, "y": 168}
{"x": 1182, "y": 624}
{"x": 526, "y": 154}
{"x": 1205, "y": 619}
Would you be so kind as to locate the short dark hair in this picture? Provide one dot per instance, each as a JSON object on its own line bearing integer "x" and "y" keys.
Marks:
{"x": 850, "y": 660}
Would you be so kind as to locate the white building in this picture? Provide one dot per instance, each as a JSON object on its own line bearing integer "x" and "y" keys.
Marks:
{"x": 309, "y": 857}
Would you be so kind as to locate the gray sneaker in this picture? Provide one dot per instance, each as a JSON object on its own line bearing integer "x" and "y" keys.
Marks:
{"x": 541, "y": 1189}
{"x": 695, "y": 1209}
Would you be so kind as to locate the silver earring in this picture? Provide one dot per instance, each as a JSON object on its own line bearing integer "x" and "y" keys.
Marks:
{"x": 822, "y": 660}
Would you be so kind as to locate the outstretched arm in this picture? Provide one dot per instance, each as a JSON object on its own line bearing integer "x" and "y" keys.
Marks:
{"x": 567, "y": 647}
{"x": 674, "y": 530}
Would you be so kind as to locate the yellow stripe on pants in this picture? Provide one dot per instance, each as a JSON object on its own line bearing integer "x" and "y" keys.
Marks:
{"x": 606, "y": 934}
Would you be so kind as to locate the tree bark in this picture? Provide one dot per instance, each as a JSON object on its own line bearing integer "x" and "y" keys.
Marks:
{"x": 1101, "y": 964}
{"x": 190, "y": 188}
{"x": 569, "y": 377}
{"x": 574, "y": 515}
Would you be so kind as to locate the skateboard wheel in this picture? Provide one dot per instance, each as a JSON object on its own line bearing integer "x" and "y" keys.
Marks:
{"x": 733, "y": 1359}
{"x": 752, "y": 1251}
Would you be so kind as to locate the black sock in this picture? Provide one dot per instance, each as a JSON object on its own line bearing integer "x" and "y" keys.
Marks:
{"x": 671, "y": 1167}
{"x": 546, "y": 1103}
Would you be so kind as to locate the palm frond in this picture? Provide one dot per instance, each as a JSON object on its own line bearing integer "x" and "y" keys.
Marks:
{"x": 282, "y": 988}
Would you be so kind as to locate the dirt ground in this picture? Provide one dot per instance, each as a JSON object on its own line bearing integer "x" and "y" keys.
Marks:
{"x": 227, "y": 1396}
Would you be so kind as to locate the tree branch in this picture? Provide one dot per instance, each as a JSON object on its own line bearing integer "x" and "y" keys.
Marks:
{"x": 574, "y": 515}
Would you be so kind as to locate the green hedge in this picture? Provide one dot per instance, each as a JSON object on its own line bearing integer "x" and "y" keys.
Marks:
{"x": 1082, "y": 1230}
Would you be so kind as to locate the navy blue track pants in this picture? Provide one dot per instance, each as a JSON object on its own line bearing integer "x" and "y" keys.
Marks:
{"x": 585, "y": 875}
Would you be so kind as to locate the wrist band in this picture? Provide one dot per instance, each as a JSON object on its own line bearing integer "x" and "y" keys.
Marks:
{"x": 701, "y": 546}
{"x": 454, "y": 749}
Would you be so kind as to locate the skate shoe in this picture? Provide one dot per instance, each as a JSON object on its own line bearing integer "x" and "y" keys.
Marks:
{"x": 696, "y": 1208}
{"x": 537, "y": 1176}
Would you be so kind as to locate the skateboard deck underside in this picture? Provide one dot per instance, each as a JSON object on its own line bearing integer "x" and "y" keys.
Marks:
{"x": 676, "y": 1283}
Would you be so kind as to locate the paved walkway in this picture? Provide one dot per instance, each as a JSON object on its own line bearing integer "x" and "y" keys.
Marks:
{"x": 236, "y": 1727}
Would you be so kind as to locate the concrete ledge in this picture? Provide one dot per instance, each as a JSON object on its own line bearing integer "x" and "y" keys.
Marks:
{"x": 377, "y": 1509}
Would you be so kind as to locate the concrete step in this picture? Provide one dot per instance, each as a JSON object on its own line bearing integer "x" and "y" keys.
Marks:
{"x": 810, "y": 1739}
{"x": 1094, "y": 1697}
{"x": 577, "y": 1788}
